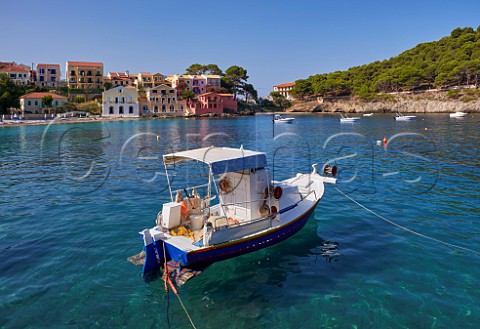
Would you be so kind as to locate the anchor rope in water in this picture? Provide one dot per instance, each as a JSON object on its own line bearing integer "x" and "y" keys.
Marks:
{"x": 169, "y": 281}
{"x": 405, "y": 228}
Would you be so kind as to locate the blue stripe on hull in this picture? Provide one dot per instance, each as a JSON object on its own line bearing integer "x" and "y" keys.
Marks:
{"x": 229, "y": 250}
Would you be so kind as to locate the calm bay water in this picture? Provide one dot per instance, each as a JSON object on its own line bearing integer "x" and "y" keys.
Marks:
{"x": 73, "y": 198}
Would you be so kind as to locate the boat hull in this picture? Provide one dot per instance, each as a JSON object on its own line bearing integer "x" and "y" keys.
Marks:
{"x": 156, "y": 251}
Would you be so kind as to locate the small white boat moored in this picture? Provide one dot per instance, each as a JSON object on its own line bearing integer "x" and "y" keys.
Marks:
{"x": 458, "y": 114}
{"x": 368, "y": 114}
{"x": 279, "y": 119}
{"x": 345, "y": 118}
{"x": 233, "y": 209}
{"x": 401, "y": 117}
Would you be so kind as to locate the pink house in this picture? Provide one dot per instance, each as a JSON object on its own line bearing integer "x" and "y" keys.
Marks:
{"x": 213, "y": 103}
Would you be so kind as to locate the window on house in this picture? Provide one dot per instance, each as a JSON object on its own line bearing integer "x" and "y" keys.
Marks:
{"x": 72, "y": 72}
{"x": 154, "y": 91}
{"x": 36, "y": 103}
{"x": 120, "y": 110}
{"x": 156, "y": 108}
{"x": 164, "y": 108}
{"x": 110, "y": 110}
{"x": 29, "y": 103}
{"x": 172, "y": 108}
{"x": 56, "y": 103}
{"x": 171, "y": 91}
{"x": 41, "y": 78}
{"x": 130, "y": 109}
{"x": 120, "y": 90}
{"x": 53, "y": 71}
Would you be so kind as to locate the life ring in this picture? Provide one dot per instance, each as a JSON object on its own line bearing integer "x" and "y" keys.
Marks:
{"x": 277, "y": 192}
{"x": 274, "y": 211}
{"x": 224, "y": 185}
{"x": 264, "y": 210}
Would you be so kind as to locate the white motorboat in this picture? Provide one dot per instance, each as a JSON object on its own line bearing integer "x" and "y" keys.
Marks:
{"x": 368, "y": 114}
{"x": 458, "y": 114}
{"x": 345, "y": 118}
{"x": 233, "y": 209}
{"x": 401, "y": 117}
{"x": 279, "y": 119}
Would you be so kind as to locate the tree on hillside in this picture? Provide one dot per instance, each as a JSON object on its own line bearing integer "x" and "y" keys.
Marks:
{"x": 9, "y": 94}
{"x": 235, "y": 77}
{"x": 250, "y": 92}
{"x": 279, "y": 100}
{"x": 301, "y": 89}
{"x": 47, "y": 101}
{"x": 198, "y": 69}
{"x": 181, "y": 87}
{"x": 195, "y": 69}
{"x": 447, "y": 62}
{"x": 213, "y": 69}
{"x": 188, "y": 95}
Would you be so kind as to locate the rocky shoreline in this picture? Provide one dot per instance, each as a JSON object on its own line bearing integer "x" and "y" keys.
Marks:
{"x": 404, "y": 103}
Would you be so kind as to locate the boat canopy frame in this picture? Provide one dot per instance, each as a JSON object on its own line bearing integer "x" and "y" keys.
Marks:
{"x": 220, "y": 160}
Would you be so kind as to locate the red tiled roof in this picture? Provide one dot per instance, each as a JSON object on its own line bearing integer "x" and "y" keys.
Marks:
{"x": 145, "y": 73}
{"x": 84, "y": 64}
{"x": 40, "y": 95}
{"x": 47, "y": 65}
{"x": 11, "y": 68}
{"x": 288, "y": 84}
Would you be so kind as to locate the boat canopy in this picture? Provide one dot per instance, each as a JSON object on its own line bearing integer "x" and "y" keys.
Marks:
{"x": 220, "y": 159}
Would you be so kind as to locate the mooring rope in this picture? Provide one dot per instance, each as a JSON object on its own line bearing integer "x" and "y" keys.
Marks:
{"x": 175, "y": 291}
{"x": 405, "y": 228}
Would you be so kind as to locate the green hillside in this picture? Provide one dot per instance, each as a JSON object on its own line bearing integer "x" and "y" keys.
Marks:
{"x": 452, "y": 60}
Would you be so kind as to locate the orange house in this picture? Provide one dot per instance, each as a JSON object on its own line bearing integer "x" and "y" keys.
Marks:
{"x": 213, "y": 103}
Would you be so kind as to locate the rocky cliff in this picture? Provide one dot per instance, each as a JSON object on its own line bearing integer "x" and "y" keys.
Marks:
{"x": 428, "y": 102}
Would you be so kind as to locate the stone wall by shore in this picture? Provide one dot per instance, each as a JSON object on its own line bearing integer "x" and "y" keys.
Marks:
{"x": 413, "y": 103}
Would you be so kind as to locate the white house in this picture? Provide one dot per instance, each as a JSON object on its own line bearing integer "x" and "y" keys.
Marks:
{"x": 120, "y": 102}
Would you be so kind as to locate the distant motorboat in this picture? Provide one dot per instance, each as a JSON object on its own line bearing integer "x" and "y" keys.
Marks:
{"x": 458, "y": 114}
{"x": 368, "y": 114}
{"x": 279, "y": 119}
{"x": 345, "y": 118}
{"x": 401, "y": 117}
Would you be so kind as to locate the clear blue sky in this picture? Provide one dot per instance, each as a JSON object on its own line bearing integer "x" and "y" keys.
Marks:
{"x": 276, "y": 41}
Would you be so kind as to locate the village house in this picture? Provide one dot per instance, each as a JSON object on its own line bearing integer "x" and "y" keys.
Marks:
{"x": 213, "y": 103}
{"x": 163, "y": 99}
{"x": 120, "y": 102}
{"x": 84, "y": 75}
{"x": 284, "y": 89}
{"x": 118, "y": 79}
{"x": 47, "y": 75}
{"x": 18, "y": 73}
{"x": 32, "y": 106}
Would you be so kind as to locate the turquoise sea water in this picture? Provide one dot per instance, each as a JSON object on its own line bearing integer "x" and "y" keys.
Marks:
{"x": 73, "y": 198}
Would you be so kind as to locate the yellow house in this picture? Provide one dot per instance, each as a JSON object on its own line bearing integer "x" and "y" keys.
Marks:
{"x": 120, "y": 102}
{"x": 48, "y": 75}
{"x": 84, "y": 75}
{"x": 163, "y": 99}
